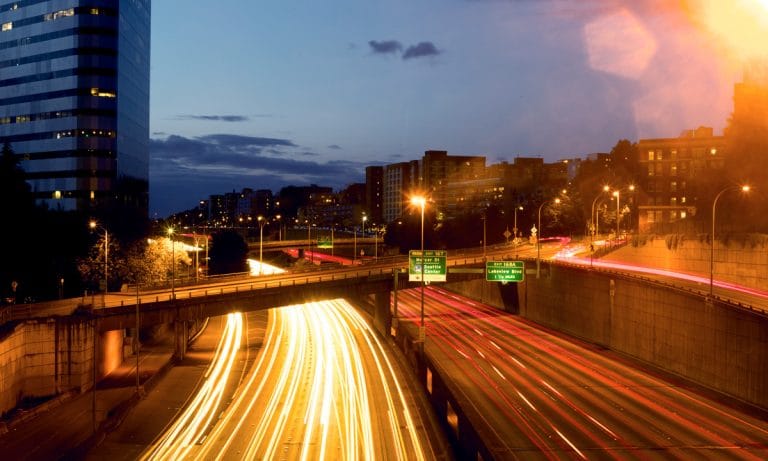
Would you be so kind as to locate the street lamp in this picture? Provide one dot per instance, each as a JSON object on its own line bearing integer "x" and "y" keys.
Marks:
{"x": 173, "y": 263}
{"x": 365, "y": 218}
{"x": 485, "y": 218}
{"x": 514, "y": 229}
{"x": 712, "y": 246}
{"x": 421, "y": 202}
{"x": 616, "y": 194}
{"x": 592, "y": 213}
{"x": 261, "y": 221}
{"x": 538, "y": 240}
{"x": 93, "y": 225}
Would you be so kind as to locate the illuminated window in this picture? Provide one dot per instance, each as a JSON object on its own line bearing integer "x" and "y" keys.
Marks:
{"x": 57, "y": 194}
{"x": 650, "y": 170}
{"x": 673, "y": 186}
{"x": 7, "y": 26}
{"x": 672, "y": 215}
{"x": 658, "y": 155}
{"x": 673, "y": 154}
{"x": 94, "y": 11}
{"x": 682, "y": 199}
{"x": 102, "y": 93}
{"x": 673, "y": 201}
{"x": 4, "y": 120}
{"x": 59, "y": 14}
{"x": 683, "y": 215}
{"x": 673, "y": 169}
{"x": 650, "y": 155}
{"x": 713, "y": 151}
{"x": 22, "y": 118}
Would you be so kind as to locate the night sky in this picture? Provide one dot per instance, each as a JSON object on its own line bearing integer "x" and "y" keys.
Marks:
{"x": 267, "y": 94}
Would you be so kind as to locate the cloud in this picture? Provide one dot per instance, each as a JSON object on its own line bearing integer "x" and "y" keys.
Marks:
{"x": 216, "y": 118}
{"x": 184, "y": 170}
{"x": 421, "y": 50}
{"x": 385, "y": 46}
{"x": 334, "y": 147}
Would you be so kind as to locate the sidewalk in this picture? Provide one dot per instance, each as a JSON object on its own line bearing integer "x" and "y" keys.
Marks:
{"x": 63, "y": 428}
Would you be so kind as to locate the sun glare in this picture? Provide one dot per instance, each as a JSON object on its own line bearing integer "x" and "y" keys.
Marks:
{"x": 741, "y": 25}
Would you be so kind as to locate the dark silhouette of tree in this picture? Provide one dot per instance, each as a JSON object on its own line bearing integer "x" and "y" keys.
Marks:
{"x": 228, "y": 253}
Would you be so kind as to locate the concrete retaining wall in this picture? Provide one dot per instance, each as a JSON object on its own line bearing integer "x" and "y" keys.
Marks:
{"x": 714, "y": 344}
{"x": 41, "y": 359}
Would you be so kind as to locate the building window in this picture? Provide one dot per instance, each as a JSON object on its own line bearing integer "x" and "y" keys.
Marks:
{"x": 673, "y": 201}
{"x": 673, "y": 215}
{"x": 683, "y": 215}
{"x": 651, "y": 169}
{"x": 7, "y": 26}
{"x": 673, "y": 154}
{"x": 103, "y": 93}
{"x": 650, "y": 155}
{"x": 673, "y": 169}
{"x": 682, "y": 199}
{"x": 658, "y": 154}
{"x": 673, "y": 186}
{"x": 59, "y": 14}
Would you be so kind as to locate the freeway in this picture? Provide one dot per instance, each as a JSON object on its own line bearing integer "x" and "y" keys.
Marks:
{"x": 322, "y": 387}
{"x": 535, "y": 394}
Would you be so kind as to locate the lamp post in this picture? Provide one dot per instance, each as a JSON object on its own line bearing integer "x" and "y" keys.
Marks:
{"x": 421, "y": 202}
{"x": 538, "y": 240}
{"x": 173, "y": 263}
{"x": 514, "y": 229}
{"x": 94, "y": 225}
{"x": 712, "y": 246}
{"x": 592, "y": 213}
{"x": 365, "y": 218}
{"x": 261, "y": 222}
{"x": 485, "y": 218}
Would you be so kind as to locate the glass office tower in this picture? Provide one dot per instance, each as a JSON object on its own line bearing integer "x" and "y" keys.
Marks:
{"x": 74, "y": 100}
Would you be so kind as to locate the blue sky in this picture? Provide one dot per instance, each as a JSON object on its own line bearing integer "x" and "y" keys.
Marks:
{"x": 267, "y": 94}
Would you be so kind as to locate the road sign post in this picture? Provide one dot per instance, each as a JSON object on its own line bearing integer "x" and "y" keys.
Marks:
{"x": 504, "y": 271}
{"x": 435, "y": 265}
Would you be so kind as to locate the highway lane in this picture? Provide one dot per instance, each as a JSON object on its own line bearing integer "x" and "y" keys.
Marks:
{"x": 540, "y": 395}
{"x": 322, "y": 387}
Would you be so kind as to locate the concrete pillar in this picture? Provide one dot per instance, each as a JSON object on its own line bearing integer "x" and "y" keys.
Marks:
{"x": 181, "y": 334}
{"x": 382, "y": 317}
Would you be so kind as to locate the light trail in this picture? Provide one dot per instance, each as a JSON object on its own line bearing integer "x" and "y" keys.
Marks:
{"x": 539, "y": 385}
{"x": 191, "y": 425}
{"x": 322, "y": 387}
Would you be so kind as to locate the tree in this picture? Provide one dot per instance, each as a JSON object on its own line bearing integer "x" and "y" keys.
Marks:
{"x": 228, "y": 253}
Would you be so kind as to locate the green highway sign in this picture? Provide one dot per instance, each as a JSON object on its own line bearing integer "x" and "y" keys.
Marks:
{"x": 324, "y": 242}
{"x": 504, "y": 271}
{"x": 435, "y": 265}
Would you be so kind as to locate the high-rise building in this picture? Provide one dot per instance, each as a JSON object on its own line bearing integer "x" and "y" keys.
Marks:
{"x": 74, "y": 99}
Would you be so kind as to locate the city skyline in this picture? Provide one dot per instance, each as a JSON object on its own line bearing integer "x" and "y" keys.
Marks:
{"x": 300, "y": 93}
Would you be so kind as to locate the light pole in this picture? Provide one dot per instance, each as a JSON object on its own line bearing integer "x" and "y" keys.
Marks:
{"x": 94, "y": 225}
{"x": 485, "y": 218}
{"x": 712, "y": 246}
{"x": 173, "y": 263}
{"x": 514, "y": 229}
{"x": 421, "y": 202}
{"x": 365, "y": 218}
{"x": 261, "y": 221}
{"x": 592, "y": 214}
{"x": 538, "y": 240}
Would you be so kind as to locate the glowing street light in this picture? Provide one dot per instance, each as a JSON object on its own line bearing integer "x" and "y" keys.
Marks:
{"x": 421, "y": 202}
{"x": 261, "y": 221}
{"x": 616, "y": 194}
{"x": 538, "y": 239}
{"x": 93, "y": 225}
{"x": 173, "y": 263}
{"x": 712, "y": 243}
